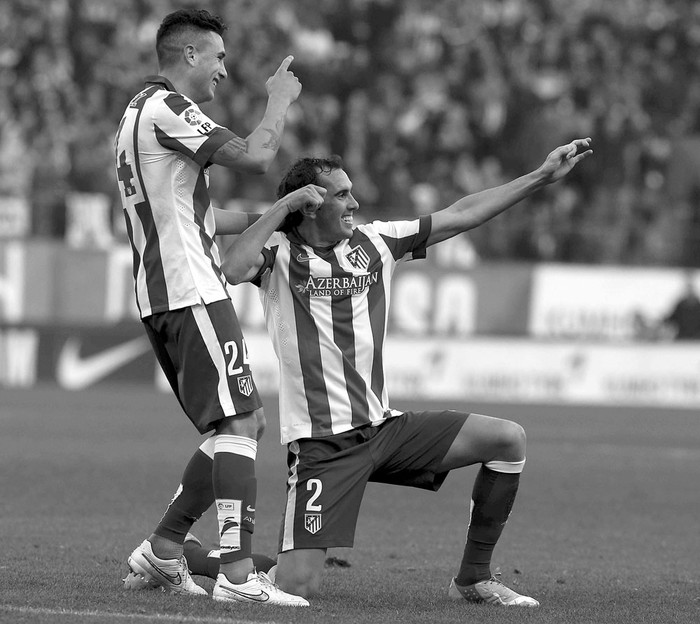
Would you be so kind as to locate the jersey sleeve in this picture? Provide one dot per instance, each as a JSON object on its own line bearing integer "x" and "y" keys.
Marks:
{"x": 269, "y": 253}
{"x": 268, "y": 264}
{"x": 181, "y": 126}
{"x": 406, "y": 239}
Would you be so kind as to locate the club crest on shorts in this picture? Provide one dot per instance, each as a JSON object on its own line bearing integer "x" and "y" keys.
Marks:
{"x": 245, "y": 385}
{"x": 313, "y": 523}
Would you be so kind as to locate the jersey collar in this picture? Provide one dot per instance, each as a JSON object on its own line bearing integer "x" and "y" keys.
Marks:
{"x": 295, "y": 237}
{"x": 159, "y": 80}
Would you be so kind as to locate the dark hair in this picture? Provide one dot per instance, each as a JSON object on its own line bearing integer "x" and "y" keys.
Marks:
{"x": 304, "y": 171}
{"x": 175, "y": 24}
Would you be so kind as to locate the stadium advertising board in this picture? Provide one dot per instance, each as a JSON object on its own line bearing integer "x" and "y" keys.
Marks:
{"x": 75, "y": 358}
{"x": 601, "y": 302}
{"x": 522, "y": 370}
{"x": 15, "y": 216}
{"x": 476, "y": 369}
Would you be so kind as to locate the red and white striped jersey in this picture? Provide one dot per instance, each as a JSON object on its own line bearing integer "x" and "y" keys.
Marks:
{"x": 163, "y": 147}
{"x": 327, "y": 313}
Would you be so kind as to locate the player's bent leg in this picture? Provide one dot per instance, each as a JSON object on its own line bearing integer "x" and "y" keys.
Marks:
{"x": 483, "y": 439}
{"x": 301, "y": 571}
{"x": 499, "y": 445}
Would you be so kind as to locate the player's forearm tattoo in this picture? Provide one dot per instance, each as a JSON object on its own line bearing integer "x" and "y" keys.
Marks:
{"x": 240, "y": 145}
{"x": 273, "y": 142}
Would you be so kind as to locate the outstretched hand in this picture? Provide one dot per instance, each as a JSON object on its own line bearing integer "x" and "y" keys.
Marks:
{"x": 564, "y": 158}
{"x": 283, "y": 83}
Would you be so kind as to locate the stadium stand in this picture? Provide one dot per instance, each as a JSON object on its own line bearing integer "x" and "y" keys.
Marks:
{"x": 422, "y": 99}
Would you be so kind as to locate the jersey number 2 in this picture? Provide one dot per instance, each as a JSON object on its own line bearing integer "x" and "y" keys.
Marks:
{"x": 317, "y": 486}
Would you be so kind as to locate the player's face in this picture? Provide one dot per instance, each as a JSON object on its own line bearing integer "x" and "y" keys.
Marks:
{"x": 209, "y": 66}
{"x": 335, "y": 218}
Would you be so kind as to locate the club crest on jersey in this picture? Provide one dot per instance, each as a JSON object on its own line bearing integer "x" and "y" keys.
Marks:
{"x": 245, "y": 385}
{"x": 358, "y": 258}
{"x": 313, "y": 523}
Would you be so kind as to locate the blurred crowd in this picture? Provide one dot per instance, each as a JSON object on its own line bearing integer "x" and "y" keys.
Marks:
{"x": 425, "y": 101}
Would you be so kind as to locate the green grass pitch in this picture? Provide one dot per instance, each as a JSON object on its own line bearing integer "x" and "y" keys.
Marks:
{"x": 606, "y": 527}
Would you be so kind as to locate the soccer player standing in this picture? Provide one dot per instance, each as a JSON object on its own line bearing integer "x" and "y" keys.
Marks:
{"x": 164, "y": 148}
{"x": 325, "y": 285}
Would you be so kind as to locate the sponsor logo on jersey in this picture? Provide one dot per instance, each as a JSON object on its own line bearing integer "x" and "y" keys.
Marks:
{"x": 313, "y": 523}
{"x": 358, "y": 257}
{"x": 245, "y": 385}
{"x": 337, "y": 286}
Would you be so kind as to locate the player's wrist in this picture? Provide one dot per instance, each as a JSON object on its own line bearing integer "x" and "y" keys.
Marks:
{"x": 283, "y": 207}
{"x": 538, "y": 178}
{"x": 279, "y": 101}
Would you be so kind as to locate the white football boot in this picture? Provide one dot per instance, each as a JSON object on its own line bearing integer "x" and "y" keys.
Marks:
{"x": 171, "y": 575}
{"x": 490, "y": 591}
{"x": 258, "y": 588}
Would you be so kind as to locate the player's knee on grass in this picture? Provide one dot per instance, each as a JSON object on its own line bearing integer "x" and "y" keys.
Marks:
{"x": 299, "y": 584}
{"x": 300, "y": 572}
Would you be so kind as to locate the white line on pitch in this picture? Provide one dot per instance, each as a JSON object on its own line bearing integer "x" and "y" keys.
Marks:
{"x": 155, "y": 617}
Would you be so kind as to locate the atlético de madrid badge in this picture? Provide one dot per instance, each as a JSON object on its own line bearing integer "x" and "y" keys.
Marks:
{"x": 313, "y": 523}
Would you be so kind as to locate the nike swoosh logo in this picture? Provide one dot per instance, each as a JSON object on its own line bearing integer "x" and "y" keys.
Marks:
{"x": 261, "y": 596}
{"x": 175, "y": 579}
{"x": 302, "y": 258}
{"x": 250, "y": 509}
{"x": 74, "y": 372}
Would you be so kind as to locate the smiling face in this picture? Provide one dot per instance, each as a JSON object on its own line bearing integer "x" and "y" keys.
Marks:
{"x": 206, "y": 66}
{"x": 334, "y": 220}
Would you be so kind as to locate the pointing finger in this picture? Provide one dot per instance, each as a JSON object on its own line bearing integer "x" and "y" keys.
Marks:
{"x": 285, "y": 64}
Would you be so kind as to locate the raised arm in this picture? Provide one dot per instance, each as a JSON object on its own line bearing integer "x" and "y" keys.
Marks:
{"x": 243, "y": 259}
{"x": 473, "y": 210}
{"x": 233, "y": 222}
{"x": 255, "y": 153}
